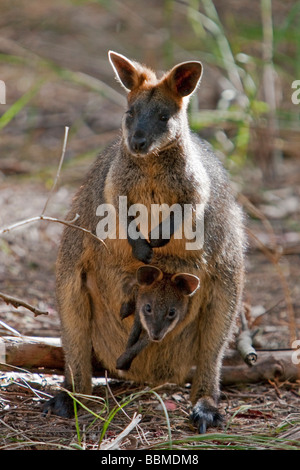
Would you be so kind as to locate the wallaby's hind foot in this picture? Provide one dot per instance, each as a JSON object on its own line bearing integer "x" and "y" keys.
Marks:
{"x": 205, "y": 415}
{"x": 61, "y": 405}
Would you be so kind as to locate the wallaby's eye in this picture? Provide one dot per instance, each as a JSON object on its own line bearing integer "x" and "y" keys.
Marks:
{"x": 148, "y": 308}
{"x": 172, "y": 313}
{"x": 163, "y": 117}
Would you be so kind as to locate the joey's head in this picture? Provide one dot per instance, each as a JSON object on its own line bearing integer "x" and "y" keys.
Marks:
{"x": 156, "y": 116}
{"x": 163, "y": 299}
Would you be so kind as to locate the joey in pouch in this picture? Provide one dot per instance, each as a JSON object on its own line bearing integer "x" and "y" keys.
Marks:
{"x": 159, "y": 301}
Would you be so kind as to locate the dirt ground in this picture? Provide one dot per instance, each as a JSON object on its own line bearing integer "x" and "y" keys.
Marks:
{"x": 262, "y": 415}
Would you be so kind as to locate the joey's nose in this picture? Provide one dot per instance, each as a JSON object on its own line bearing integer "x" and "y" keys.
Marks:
{"x": 138, "y": 142}
{"x": 156, "y": 337}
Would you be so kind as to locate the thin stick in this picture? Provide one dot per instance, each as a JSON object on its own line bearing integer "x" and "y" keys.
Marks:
{"x": 244, "y": 343}
{"x": 113, "y": 397}
{"x": 10, "y": 328}
{"x": 20, "y": 303}
{"x": 288, "y": 299}
{"x": 115, "y": 443}
{"x": 52, "y": 219}
{"x": 274, "y": 256}
{"x": 58, "y": 170}
{"x": 117, "y": 403}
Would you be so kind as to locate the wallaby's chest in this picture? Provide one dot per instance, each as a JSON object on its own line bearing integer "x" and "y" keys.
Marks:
{"x": 152, "y": 190}
{"x": 144, "y": 187}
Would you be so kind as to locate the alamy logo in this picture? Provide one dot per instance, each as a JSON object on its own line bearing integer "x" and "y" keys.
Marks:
{"x": 296, "y": 354}
{"x": 2, "y": 92}
{"x": 188, "y": 222}
{"x": 296, "y": 94}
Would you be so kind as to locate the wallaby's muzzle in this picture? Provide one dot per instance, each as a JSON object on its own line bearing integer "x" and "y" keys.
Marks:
{"x": 138, "y": 142}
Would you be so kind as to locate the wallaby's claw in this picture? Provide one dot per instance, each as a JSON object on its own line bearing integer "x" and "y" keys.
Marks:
{"x": 205, "y": 415}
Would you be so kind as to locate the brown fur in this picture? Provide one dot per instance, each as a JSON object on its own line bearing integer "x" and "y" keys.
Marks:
{"x": 179, "y": 169}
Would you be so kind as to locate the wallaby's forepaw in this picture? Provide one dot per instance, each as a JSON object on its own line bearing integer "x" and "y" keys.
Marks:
{"x": 158, "y": 242}
{"x": 143, "y": 252}
{"x": 60, "y": 405}
{"x": 205, "y": 415}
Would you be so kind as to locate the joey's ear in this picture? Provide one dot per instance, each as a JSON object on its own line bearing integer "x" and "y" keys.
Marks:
{"x": 147, "y": 275}
{"x": 186, "y": 283}
{"x": 125, "y": 70}
{"x": 184, "y": 78}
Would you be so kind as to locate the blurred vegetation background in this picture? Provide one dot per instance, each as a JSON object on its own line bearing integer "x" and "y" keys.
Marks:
{"x": 54, "y": 64}
{"x": 53, "y": 59}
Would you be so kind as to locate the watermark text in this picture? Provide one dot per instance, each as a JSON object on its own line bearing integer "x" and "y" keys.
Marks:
{"x": 161, "y": 222}
{"x": 296, "y": 93}
{"x": 2, "y": 92}
{"x": 296, "y": 353}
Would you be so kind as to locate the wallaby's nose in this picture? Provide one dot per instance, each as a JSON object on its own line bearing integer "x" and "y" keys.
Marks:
{"x": 138, "y": 141}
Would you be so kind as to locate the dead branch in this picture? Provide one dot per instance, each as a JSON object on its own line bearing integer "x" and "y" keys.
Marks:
{"x": 31, "y": 352}
{"x": 244, "y": 342}
{"x": 53, "y": 219}
{"x": 58, "y": 169}
{"x": 115, "y": 444}
{"x": 20, "y": 303}
{"x": 270, "y": 365}
{"x": 35, "y": 353}
{"x": 273, "y": 254}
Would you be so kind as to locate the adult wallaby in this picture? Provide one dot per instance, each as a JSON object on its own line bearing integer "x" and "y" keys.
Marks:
{"x": 156, "y": 161}
{"x": 159, "y": 302}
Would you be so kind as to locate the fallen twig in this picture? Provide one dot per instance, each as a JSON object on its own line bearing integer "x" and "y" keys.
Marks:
{"x": 273, "y": 254}
{"x": 34, "y": 353}
{"x": 42, "y": 216}
{"x": 244, "y": 342}
{"x": 52, "y": 219}
{"x": 20, "y": 303}
{"x": 115, "y": 444}
{"x": 58, "y": 170}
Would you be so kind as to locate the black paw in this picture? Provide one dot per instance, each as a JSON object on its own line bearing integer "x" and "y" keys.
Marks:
{"x": 205, "y": 415}
{"x": 158, "y": 242}
{"x": 127, "y": 309}
{"x": 123, "y": 363}
{"x": 142, "y": 251}
{"x": 60, "y": 405}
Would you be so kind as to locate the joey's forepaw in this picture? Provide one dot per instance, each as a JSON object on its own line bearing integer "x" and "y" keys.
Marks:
{"x": 123, "y": 363}
{"x": 60, "y": 405}
{"x": 205, "y": 415}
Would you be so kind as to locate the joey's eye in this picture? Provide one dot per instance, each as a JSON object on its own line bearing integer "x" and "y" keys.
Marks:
{"x": 163, "y": 117}
{"x": 147, "y": 308}
{"x": 129, "y": 113}
{"x": 172, "y": 313}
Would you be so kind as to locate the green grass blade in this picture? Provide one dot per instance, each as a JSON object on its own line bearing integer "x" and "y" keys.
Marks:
{"x": 15, "y": 108}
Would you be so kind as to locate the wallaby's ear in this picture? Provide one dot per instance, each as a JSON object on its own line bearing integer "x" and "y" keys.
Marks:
{"x": 125, "y": 70}
{"x": 186, "y": 283}
{"x": 147, "y": 275}
{"x": 184, "y": 78}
